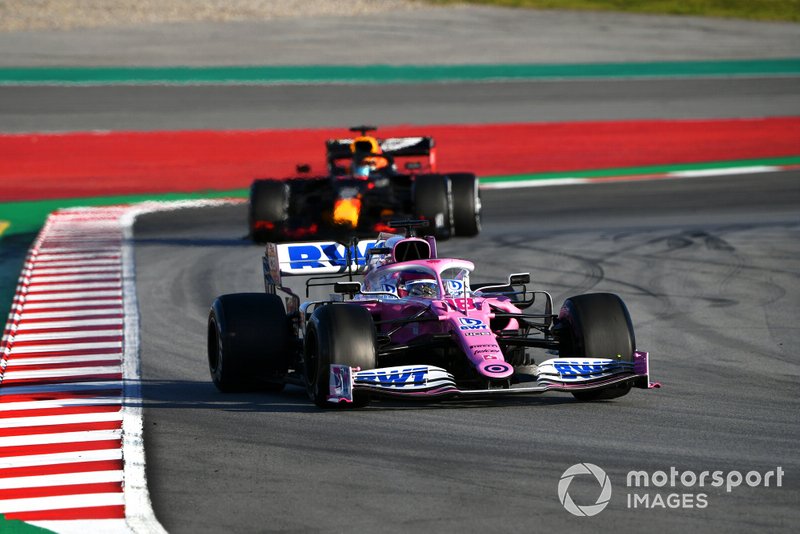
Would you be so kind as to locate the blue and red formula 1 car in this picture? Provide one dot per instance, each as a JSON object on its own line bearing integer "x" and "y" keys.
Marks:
{"x": 363, "y": 189}
{"x": 404, "y": 322}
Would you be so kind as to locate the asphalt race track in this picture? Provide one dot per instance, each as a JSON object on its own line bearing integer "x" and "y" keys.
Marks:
{"x": 54, "y": 108}
{"x": 709, "y": 269}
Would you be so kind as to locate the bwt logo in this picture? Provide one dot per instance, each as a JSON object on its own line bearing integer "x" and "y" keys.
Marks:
{"x": 576, "y": 369}
{"x": 398, "y": 378}
{"x": 602, "y": 499}
{"x": 319, "y": 256}
{"x": 471, "y": 324}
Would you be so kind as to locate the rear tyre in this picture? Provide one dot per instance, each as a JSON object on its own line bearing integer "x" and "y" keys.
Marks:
{"x": 269, "y": 209}
{"x": 466, "y": 204}
{"x": 433, "y": 201}
{"x": 249, "y": 342}
{"x": 337, "y": 334}
{"x": 597, "y": 325}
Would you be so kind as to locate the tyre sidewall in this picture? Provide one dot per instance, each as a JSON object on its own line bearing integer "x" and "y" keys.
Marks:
{"x": 597, "y": 325}
{"x": 249, "y": 341}
{"x": 433, "y": 199}
{"x": 466, "y": 204}
{"x": 337, "y": 334}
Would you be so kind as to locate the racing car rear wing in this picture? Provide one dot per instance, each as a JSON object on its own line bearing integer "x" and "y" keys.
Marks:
{"x": 392, "y": 146}
{"x": 312, "y": 258}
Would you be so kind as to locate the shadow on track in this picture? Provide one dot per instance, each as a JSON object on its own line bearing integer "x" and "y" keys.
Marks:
{"x": 195, "y": 395}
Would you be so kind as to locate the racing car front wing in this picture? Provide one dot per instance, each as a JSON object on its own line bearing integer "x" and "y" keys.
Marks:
{"x": 425, "y": 381}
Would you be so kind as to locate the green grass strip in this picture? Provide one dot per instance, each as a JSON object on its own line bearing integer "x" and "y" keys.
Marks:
{"x": 377, "y": 74}
{"x": 778, "y": 10}
{"x": 643, "y": 171}
{"x": 10, "y": 526}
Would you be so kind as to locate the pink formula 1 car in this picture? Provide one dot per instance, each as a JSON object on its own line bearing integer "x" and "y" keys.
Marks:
{"x": 404, "y": 322}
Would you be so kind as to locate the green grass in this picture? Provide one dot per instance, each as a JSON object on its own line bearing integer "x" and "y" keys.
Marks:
{"x": 8, "y": 526}
{"x": 770, "y": 10}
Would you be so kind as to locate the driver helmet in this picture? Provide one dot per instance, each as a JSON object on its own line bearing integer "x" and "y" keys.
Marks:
{"x": 367, "y": 156}
{"x": 364, "y": 145}
{"x": 427, "y": 288}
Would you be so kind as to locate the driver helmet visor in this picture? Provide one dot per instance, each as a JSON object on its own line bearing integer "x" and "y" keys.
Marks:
{"x": 361, "y": 171}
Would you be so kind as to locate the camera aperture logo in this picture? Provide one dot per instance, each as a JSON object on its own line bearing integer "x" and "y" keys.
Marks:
{"x": 665, "y": 489}
{"x": 590, "y": 509}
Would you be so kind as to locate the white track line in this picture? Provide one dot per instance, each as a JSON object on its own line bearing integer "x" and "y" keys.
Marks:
{"x": 27, "y": 349}
{"x": 88, "y": 307}
{"x": 67, "y": 479}
{"x": 75, "y": 323}
{"x": 36, "y": 460}
{"x": 138, "y": 508}
{"x": 68, "y": 264}
{"x": 72, "y": 298}
{"x": 77, "y": 269}
{"x": 55, "y": 404}
{"x": 11, "y": 373}
{"x": 724, "y": 172}
{"x": 700, "y": 173}
{"x": 35, "y": 389}
{"x": 90, "y": 500}
{"x": 77, "y": 334}
{"x": 39, "y": 278}
{"x": 82, "y": 256}
{"x": 76, "y": 287}
{"x": 45, "y": 360}
{"x": 106, "y": 526}
{"x": 54, "y": 420}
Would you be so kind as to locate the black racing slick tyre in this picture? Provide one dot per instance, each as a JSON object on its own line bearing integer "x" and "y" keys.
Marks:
{"x": 466, "y": 204}
{"x": 250, "y": 342}
{"x": 337, "y": 334}
{"x": 433, "y": 201}
{"x": 269, "y": 209}
{"x": 596, "y": 325}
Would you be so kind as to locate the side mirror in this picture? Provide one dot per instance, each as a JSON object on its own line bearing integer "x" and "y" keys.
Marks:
{"x": 347, "y": 288}
{"x": 303, "y": 168}
{"x": 518, "y": 279}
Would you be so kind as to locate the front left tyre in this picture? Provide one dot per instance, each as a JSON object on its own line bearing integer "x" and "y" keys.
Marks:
{"x": 249, "y": 342}
{"x": 597, "y": 325}
{"x": 337, "y": 334}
